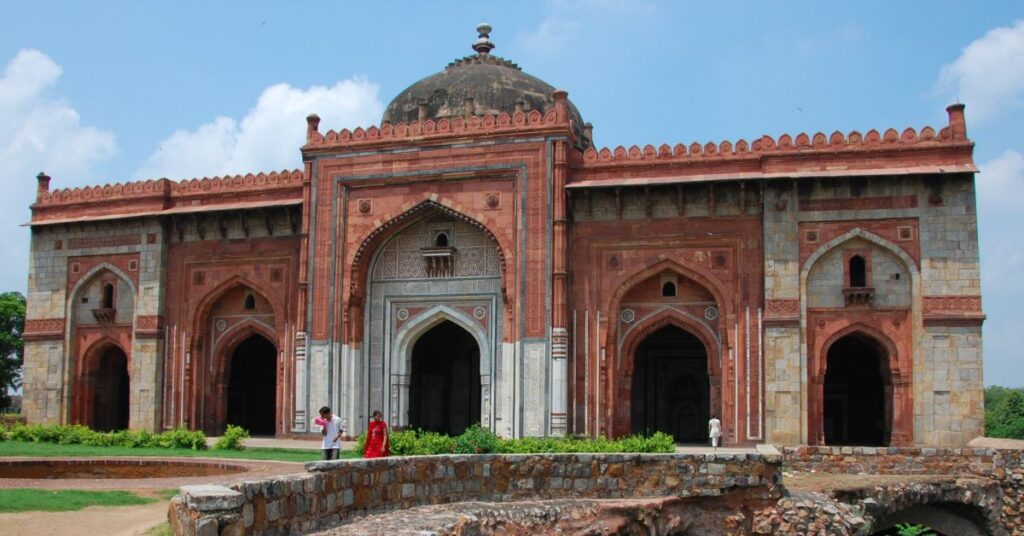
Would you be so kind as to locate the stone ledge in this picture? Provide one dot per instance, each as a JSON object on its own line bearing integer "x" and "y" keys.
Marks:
{"x": 211, "y": 498}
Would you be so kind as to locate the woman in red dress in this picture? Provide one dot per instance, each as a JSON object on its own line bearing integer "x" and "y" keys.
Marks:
{"x": 377, "y": 438}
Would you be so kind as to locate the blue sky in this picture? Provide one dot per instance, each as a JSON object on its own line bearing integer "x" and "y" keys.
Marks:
{"x": 98, "y": 92}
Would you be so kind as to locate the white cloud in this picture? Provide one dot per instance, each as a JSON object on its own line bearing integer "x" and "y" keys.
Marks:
{"x": 552, "y": 34}
{"x": 1001, "y": 181}
{"x": 268, "y": 137}
{"x": 989, "y": 74}
{"x": 39, "y": 131}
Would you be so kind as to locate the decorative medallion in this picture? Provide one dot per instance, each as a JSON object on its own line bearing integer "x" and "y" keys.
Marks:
{"x": 221, "y": 324}
{"x": 365, "y": 206}
{"x": 479, "y": 313}
{"x": 492, "y": 200}
{"x": 403, "y": 314}
{"x": 628, "y": 316}
{"x": 711, "y": 312}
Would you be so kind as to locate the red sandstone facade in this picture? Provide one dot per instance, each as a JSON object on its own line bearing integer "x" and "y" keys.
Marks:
{"x": 599, "y": 291}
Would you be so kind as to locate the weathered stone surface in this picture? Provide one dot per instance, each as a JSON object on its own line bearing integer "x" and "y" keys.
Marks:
{"x": 210, "y": 498}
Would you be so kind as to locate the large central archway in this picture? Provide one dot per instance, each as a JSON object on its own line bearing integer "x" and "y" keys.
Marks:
{"x": 444, "y": 392}
{"x": 252, "y": 386}
{"x": 110, "y": 388}
{"x": 857, "y": 393}
{"x": 671, "y": 390}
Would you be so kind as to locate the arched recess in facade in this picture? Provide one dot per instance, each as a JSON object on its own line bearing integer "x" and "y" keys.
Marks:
{"x": 403, "y": 284}
{"x": 107, "y": 327}
{"x": 223, "y": 321}
{"x": 101, "y": 399}
{"x": 624, "y": 338}
{"x": 871, "y": 324}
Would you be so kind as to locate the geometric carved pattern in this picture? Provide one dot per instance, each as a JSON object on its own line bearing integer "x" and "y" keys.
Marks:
{"x": 498, "y": 260}
{"x": 43, "y": 329}
{"x": 474, "y": 255}
{"x": 149, "y": 326}
{"x": 952, "y": 304}
{"x": 782, "y": 307}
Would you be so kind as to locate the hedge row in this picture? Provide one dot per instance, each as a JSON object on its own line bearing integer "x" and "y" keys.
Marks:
{"x": 76, "y": 434}
{"x": 478, "y": 440}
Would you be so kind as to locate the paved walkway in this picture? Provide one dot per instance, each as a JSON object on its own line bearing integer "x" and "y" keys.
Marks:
{"x": 313, "y": 443}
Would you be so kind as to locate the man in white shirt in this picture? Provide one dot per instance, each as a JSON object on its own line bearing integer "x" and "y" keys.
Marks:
{"x": 714, "y": 430}
{"x": 332, "y": 429}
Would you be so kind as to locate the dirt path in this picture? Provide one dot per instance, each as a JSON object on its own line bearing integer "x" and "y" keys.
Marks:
{"x": 107, "y": 520}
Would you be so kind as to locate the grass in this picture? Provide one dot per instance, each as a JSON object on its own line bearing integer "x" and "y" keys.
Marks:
{"x": 23, "y": 448}
{"x": 164, "y": 529}
{"x": 42, "y": 500}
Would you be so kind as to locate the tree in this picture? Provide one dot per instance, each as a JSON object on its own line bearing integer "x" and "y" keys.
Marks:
{"x": 1007, "y": 418}
{"x": 12, "y": 348}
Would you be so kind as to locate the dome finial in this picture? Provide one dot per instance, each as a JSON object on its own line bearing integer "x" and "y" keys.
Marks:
{"x": 483, "y": 44}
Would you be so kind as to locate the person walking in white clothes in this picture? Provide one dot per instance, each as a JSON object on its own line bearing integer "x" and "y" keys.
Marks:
{"x": 332, "y": 428}
{"x": 714, "y": 430}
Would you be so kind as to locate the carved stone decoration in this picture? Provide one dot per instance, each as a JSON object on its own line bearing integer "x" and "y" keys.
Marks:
{"x": 493, "y": 200}
{"x": 402, "y": 314}
{"x": 365, "y": 206}
{"x": 104, "y": 315}
{"x": 628, "y": 316}
{"x": 221, "y": 324}
{"x": 711, "y": 312}
{"x": 479, "y": 313}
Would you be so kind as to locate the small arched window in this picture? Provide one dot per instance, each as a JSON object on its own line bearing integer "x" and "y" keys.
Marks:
{"x": 250, "y": 301}
{"x": 107, "y": 300}
{"x": 668, "y": 289}
{"x": 858, "y": 272}
{"x": 441, "y": 240}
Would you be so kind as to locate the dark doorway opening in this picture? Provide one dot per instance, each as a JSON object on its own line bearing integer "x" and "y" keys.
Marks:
{"x": 444, "y": 395}
{"x": 671, "y": 390}
{"x": 111, "y": 384}
{"x": 252, "y": 386}
{"x": 857, "y": 393}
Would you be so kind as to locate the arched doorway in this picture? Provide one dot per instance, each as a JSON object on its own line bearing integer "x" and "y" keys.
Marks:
{"x": 252, "y": 386}
{"x": 671, "y": 389}
{"x": 110, "y": 391}
{"x": 444, "y": 394}
{"x": 857, "y": 393}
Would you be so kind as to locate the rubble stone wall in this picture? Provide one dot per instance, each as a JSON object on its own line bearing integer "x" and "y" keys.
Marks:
{"x": 1003, "y": 466}
{"x": 331, "y": 493}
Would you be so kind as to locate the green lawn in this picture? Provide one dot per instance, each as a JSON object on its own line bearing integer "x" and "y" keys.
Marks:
{"x": 21, "y": 448}
{"x": 35, "y": 500}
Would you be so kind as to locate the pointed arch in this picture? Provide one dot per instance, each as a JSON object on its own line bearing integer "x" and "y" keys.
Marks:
{"x": 86, "y": 279}
{"x": 868, "y": 236}
{"x": 635, "y": 335}
{"x": 425, "y": 321}
{"x": 363, "y": 257}
{"x": 401, "y": 365}
{"x": 73, "y": 358}
{"x": 202, "y": 310}
{"x": 884, "y": 342}
{"x": 86, "y": 390}
{"x": 814, "y": 356}
{"x": 624, "y": 367}
{"x": 710, "y": 284}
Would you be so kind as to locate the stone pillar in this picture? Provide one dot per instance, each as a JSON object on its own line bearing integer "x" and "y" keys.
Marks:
{"x": 559, "y": 288}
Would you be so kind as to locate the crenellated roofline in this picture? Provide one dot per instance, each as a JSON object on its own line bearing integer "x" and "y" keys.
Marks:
{"x": 458, "y": 127}
{"x": 157, "y": 196}
{"x": 804, "y": 155}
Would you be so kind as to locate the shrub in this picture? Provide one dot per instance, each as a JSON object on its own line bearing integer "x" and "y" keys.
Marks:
{"x": 76, "y": 434}
{"x": 476, "y": 440}
{"x": 232, "y": 438}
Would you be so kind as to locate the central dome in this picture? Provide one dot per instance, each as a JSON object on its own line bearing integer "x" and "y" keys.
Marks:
{"x": 480, "y": 84}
